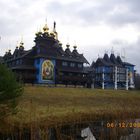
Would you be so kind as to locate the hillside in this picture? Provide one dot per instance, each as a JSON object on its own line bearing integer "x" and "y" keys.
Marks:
{"x": 59, "y": 105}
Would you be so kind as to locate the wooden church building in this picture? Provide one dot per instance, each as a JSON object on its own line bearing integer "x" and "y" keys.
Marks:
{"x": 112, "y": 73}
{"x": 47, "y": 62}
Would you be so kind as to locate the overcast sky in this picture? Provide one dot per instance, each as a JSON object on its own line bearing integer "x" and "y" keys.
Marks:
{"x": 95, "y": 26}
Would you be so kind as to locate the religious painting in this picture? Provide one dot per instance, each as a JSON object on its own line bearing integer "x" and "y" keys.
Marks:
{"x": 47, "y": 70}
{"x": 130, "y": 77}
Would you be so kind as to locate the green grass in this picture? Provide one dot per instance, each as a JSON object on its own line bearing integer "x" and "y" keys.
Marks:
{"x": 59, "y": 105}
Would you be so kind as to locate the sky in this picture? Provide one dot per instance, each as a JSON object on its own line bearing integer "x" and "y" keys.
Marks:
{"x": 95, "y": 26}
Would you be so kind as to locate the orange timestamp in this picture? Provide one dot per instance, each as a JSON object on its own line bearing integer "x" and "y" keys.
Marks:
{"x": 123, "y": 124}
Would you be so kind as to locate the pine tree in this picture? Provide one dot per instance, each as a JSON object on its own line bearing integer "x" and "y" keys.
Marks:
{"x": 10, "y": 89}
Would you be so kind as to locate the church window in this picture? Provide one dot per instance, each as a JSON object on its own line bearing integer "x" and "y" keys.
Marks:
{"x": 79, "y": 65}
{"x": 64, "y": 63}
{"x": 20, "y": 61}
{"x": 17, "y": 62}
{"x": 72, "y": 64}
{"x": 38, "y": 50}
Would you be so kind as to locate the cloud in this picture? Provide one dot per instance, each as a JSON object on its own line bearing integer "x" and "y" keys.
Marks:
{"x": 112, "y": 12}
{"x": 19, "y": 18}
{"x": 129, "y": 50}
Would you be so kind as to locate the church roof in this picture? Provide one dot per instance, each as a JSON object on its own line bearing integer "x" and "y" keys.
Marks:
{"x": 119, "y": 60}
{"x": 56, "y": 51}
{"x": 47, "y": 46}
{"x": 128, "y": 64}
{"x": 52, "y": 48}
{"x": 113, "y": 59}
{"x": 92, "y": 64}
{"x": 68, "y": 52}
{"x": 106, "y": 58}
{"x": 102, "y": 62}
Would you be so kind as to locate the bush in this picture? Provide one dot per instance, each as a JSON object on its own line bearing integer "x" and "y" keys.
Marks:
{"x": 10, "y": 89}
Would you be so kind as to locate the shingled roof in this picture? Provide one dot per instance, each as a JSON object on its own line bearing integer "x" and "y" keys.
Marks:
{"x": 107, "y": 59}
{"x": 119, "y": 60}
{"x": 128, "y": 64}
{"x": 112, "y": 61}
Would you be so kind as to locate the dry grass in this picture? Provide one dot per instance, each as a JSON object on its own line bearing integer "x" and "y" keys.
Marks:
{"x": 59, "y": 105}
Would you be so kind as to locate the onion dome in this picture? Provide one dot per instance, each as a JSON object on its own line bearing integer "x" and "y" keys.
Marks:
{"x": 67, "y": 45}
{"x": 17, "y": 46}
{"x": 39, "y": 33}
{"x": 36, "y": 34}
{"x": 75, "y": 53}
{"x": 21, "y": 46}
{"x": 46, "y": 28}
{"x": 9, "y": 52}
{"x": 67, "y": 50}
{"x": 74, "y": 47}
{"x": 52, "y": 34}
{"x": 60, "y": 44}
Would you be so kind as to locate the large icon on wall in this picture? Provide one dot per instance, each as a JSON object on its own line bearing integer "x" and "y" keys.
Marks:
{"x": 130, "y": 79}
{"x": 47, "y": 70}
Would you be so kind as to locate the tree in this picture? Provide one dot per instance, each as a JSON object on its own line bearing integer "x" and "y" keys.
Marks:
{"x": 10, "y": 89}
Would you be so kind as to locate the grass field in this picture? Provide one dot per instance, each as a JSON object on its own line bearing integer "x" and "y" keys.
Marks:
{"x": 55, "y": 105}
